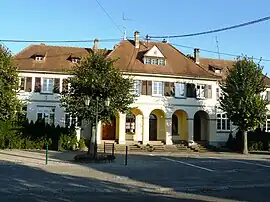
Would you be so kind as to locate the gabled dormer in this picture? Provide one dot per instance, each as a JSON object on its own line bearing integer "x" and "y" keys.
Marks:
{"x": 154, "y": 57}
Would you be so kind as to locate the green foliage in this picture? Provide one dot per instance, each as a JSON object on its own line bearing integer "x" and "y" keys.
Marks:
{"x": 97, "y": 78}
{"x": 241, "y": 95}
{"x": 9, "y": 103}
{"x": 255, "y": 146}
{"x": 35, "y": 135}
{"x": 81, "y": 143}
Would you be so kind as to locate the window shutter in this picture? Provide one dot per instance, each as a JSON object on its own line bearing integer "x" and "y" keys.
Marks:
{"x": 208, "y": 91}
{"x": 56, "y": 88}
{"x": 28, "y": 87}
{"x": 37, "y": 84}
{"x": 172, "y": 89}
{"x": 193, "y": 90}
{"x": 167, "y": 89}
{"x": 138, "y": 87}
{"x": 189, "y": 90}
{"x": 217, "y": 93}
{"x": 149, "y": 88}
{"x": 65, "y": 85}
{"x": 144, "y": 87}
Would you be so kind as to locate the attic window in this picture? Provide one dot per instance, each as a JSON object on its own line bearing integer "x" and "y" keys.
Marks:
{"x": 75, "y": 60}
{"x": 215, "y": 69}
{"x": 154, "y": 61}
{"x": 39, "y": 58}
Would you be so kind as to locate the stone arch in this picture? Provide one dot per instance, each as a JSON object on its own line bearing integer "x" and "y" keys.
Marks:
{"x": 201, "y": 126}
{"x": 157, "y": 125}
{"x": 180, "y": 125}
{"x": 134, "y": 123}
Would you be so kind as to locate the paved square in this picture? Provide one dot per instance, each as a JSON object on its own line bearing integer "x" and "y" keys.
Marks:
{"x": 167, "y": 177}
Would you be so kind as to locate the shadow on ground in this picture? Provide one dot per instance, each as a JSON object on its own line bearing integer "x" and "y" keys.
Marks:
{"x": 190, "y": 178}
{"x": 20, "y": 182}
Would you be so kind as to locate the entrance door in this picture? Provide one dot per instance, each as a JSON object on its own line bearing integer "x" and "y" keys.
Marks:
{"x": 152, "y": 127}
{"x": 197, "y": 127}
{"x": 108, "y": 130}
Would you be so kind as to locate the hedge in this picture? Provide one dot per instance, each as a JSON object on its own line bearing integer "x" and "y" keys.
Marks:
{"x": 32, "y": 135}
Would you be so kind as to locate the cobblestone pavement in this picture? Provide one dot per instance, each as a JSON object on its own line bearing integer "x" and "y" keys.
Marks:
{"x": 163, "y": 177}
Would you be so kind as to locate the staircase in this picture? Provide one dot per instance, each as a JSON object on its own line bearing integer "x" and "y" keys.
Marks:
{"x": 154, "y": 146}
{"x": 201, "y": 146}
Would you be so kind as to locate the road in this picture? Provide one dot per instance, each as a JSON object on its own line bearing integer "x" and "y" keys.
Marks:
{"x": 163, "y": 178}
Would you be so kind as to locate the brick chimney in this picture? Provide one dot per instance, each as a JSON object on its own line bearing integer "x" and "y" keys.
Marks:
{"x": 137, "y": 39}
{"x": 95, "y": 46}
{"x": 197, "y": 55}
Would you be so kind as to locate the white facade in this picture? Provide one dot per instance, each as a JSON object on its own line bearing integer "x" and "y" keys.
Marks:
{"x": 47, "y": 105}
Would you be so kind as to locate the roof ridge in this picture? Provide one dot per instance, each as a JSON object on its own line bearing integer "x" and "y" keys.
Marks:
{"x": 208, "y": 72}
{"x": 217, "y": 59}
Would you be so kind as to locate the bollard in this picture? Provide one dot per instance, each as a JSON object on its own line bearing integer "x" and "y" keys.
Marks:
{"x": 104, "y": 148}
{"x": 113, "y": 149}
{"x": 46, "y": 161}
{"x": 126, "y": 155}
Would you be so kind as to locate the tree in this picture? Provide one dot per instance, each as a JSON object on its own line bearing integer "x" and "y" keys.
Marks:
{"x": 9, "y": 85}
{"x": 96, "y": 77}
{"x": 241, "y": 96}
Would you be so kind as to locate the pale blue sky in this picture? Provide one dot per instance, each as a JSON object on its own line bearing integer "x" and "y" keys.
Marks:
{"x": 84, "y": 19}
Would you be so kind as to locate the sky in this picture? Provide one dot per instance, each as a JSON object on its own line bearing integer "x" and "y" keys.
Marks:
{"x": 85, "y": 20}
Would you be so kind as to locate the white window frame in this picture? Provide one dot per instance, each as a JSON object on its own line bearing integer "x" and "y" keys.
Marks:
{"x": 130, "y": 123}
{"x": 157, "y": 88}
{"x": 47, "y": 113}
{"x": 161, "y": 61}
{"x": 24, "y": 85}
{"x": 200, "y": 91}
{"x": 70, "y": 118}
{"x": 137, "y": 87}
{"x": 47, "y": 89}
{"x": 179, "y": 90}
{"x": 222, "y": 117}
{"x": 266, "y": 126}
{"x": 39, "y": 58}
{"x": 75, "y": 60}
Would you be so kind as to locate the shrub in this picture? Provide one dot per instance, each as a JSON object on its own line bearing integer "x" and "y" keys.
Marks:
{"x": 67, "y": 141}
{"x": 81, "y": 143}
{"x": 255, "y": 146}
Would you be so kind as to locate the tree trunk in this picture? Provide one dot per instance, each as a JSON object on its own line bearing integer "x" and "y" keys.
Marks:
{"x": 91, "y": 142}
{"x": 245, "y": 144}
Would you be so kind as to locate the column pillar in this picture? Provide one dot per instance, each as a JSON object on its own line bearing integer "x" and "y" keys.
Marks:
{"x": 169, "y": 131}
{"x": 139, "y": 128}
{"x": 145, "y": 129}
{"x": 212, "y": 130}
{"x": 190, "y": 128}
{"x": 33, "y": 84}
{"x": 122, "y": 128}
{"x": 99, "y": 132}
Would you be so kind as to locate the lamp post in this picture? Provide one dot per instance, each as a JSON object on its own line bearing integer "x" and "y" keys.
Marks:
{"x": 87, "y": 103}
{"x": 94, "y": 137}
{"x": 107, "y": 103}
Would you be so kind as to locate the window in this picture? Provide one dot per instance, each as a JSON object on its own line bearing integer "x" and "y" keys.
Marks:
{"x": 39, "y": 58}
{"x": 130, "y": 123}
{"x": 47, "y": 85}
{"x": 266, "y": 126}
{"x": 46, "y": 113}
{"x": 161, "y": 62}
{"x": 23, "y": 83}
{"x": 179, "y": 90}
{"x": 137, "y": 87}
{"x": 147, "y": 61}
{"x": 154, "y": 61}
{"x": 157, "y": 88}
{"x": 71, "y": 120}
{"x": 200, "y": 91}
{"x": 75, "y": 60}
{"x": 223, "y": 123}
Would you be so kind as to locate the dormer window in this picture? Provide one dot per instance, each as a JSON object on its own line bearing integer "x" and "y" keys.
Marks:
{"x": 154, "y": 61}
{"x": 215, "y": 69}
{"x": 39, "y": 58}
{"x": 75, "y": 60}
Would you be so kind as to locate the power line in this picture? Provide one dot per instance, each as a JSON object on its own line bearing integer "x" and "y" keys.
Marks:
{"x": 215, "y": 30}
{"x": 109, "y": 17}
{"x": 56, "y": 41}
{"x": 221, "y": 53}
